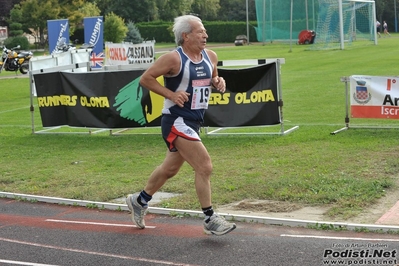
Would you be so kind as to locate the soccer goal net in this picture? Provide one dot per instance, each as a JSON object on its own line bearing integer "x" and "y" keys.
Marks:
{"x": 336, "y": 22}
{"x": 344, "y": 22}
{"x": 282, "y": 20}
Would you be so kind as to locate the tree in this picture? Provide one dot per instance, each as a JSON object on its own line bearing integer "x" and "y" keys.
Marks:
{"x": 114, "y": 28}
{"x": 71, "y": 9}
{"x": 35, "y": 14}
{"x": 169, "y": 9}
{"x": 15, "y": 21}
{"x": 89, "y": 10}
{"x": 103, "y": 5}
{"x": 134, "y": 10}
{"x": 5, "y": 8}
{"x": 386, "y": 11}
{"x": 235, "y": 10}
{"x": 206, "y": 9}
{"x": 133, "y": 35}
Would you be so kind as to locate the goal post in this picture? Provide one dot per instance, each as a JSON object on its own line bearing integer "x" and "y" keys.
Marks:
{"x": 344, "y": 22}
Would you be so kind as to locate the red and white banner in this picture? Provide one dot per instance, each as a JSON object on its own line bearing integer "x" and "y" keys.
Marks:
{"x": 374, "y": 97}
{"x": 129, "y": 54}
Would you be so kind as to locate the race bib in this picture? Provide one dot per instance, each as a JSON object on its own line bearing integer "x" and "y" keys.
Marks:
{"x": 200, "y": 97}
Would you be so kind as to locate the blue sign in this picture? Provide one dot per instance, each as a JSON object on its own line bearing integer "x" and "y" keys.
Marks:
{"x": 94, "y": 36}
{"x": 57, "y": 29}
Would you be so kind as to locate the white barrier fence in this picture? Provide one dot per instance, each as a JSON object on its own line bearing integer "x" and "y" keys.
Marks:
{"x": 52, "y": 63}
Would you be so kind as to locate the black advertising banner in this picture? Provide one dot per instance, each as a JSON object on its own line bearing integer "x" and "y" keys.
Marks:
{"x": 250, "y": 99}
{"x": 115, "y": 99}
{"x": 96, "y": 100}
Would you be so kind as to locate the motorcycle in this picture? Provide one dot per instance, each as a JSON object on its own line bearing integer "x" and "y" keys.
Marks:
{"x": 13, "y": 61}
{"x": 62, "y": 46}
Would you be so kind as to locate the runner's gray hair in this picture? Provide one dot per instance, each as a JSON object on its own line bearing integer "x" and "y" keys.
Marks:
{"x": 182, "y": 25}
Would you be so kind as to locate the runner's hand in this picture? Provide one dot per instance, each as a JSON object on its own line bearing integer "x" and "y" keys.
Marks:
{"x": 219, "y": 83}
{"x": 180, "y": 97}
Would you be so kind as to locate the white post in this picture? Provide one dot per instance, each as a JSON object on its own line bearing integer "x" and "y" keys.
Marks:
{"x": 264, "y": 22}
{"x": 396, "y": 18}
{"x": 374, "y": 23}
{"x": 307, "y": 15}
{"x": 353, "y": 24}
{"x": 314, "y": 19}
{"x": 341, "y": 24}
{"x": 247, "y": 23}
{"x": 271, "y": 20}
{"x": 292, "y": 11}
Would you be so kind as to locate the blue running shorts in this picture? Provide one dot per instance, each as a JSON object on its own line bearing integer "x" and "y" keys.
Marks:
{"x": 173, "y": 127}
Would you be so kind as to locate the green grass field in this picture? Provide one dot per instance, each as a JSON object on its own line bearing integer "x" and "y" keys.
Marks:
{"x": 348, "y": 171}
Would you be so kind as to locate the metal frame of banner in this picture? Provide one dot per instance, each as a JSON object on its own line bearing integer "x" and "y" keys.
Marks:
{"x": 143, "y": 66}
{"x": 119, "y": 132}
{"x": 226, "y": 63}
{"x": 347, "y": 104}
{"x": 50, "y": 70}
{"x": 252, "y": 62}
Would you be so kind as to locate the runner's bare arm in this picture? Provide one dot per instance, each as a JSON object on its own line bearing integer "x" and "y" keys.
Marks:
{"x": 166, "y": 65}
{"x": 218, "y": 82}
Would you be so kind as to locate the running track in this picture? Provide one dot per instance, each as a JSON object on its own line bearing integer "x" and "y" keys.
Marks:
{"x": 51, "y": 234}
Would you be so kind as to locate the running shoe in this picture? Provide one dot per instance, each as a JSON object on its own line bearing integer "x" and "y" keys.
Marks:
{"x": 137, "y": 210}
{"x": 218, "y": 226}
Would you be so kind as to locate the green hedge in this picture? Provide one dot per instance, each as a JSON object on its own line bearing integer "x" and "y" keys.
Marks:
{"x": 218, "y": 31}
{"x": 15, "y": 41}
{"x": 159, "y": 33}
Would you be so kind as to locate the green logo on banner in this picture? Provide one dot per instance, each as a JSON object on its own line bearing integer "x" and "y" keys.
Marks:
{"x": 128, "y": 102}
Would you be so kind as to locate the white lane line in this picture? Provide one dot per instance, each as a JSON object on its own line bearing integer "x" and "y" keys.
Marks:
{"x": 94, "y": 253}
{"x": 14, "y": 262}
{"x": 23, "y": 126}
{"x": 12, "y": 110}
{"x": 342, "y": 238}
{"x": 93, "y": 223}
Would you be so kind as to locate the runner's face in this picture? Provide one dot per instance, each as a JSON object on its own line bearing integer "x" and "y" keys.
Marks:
{"x": 198, "y": 35}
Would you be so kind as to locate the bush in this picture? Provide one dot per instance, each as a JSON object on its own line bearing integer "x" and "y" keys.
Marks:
{"x": 133, "y": 35}
{"x": 15, "y": 41}
{"x": 114, "y": 28}
{"x": 159, "y": 32}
